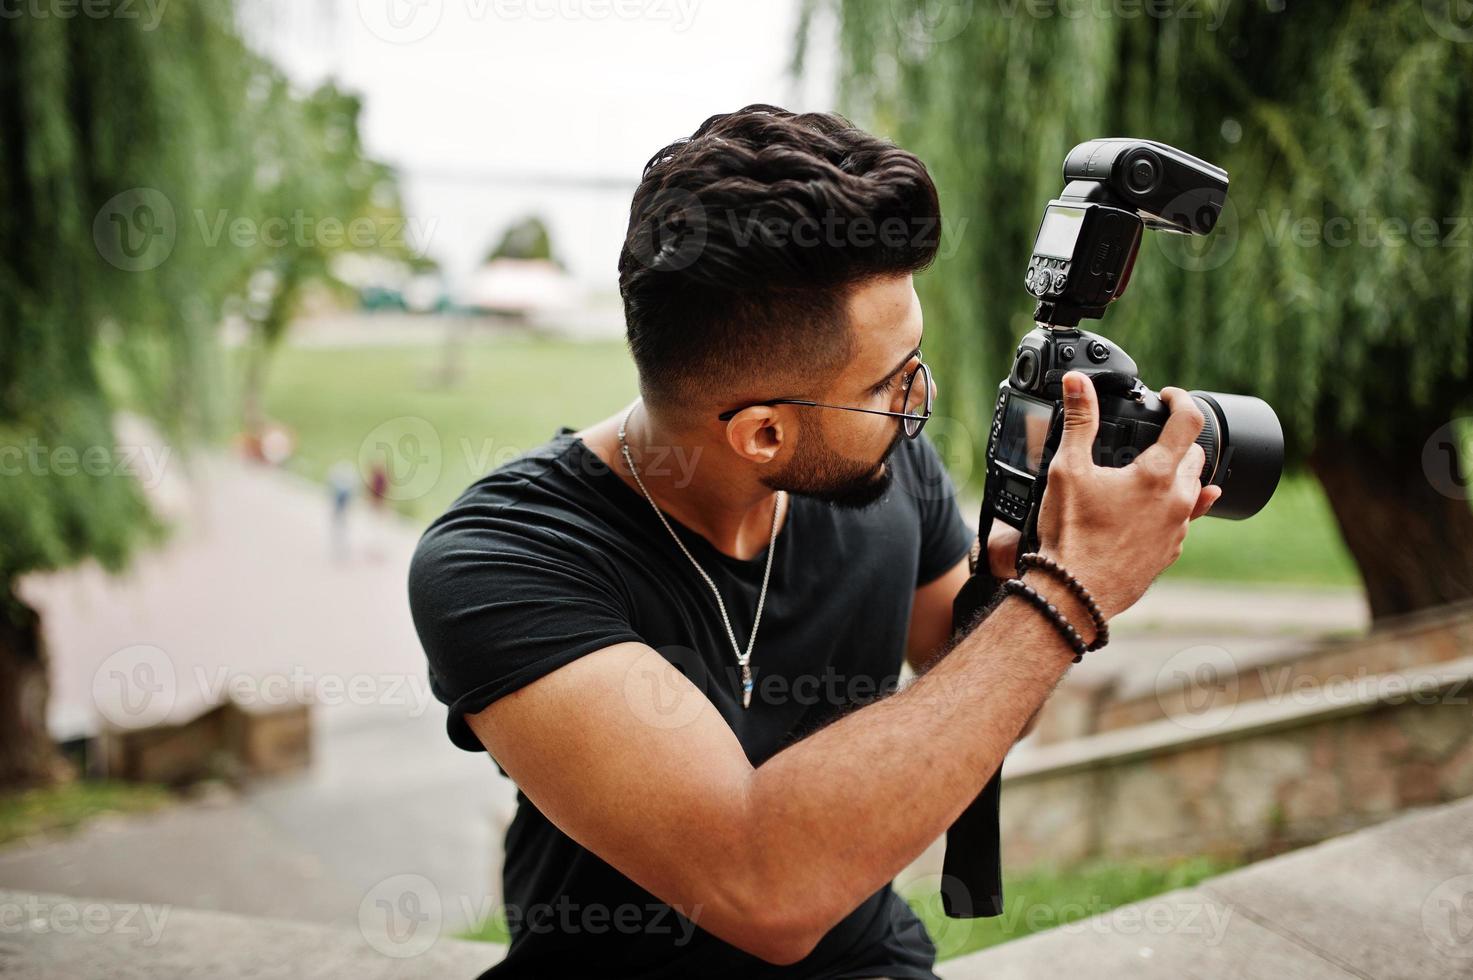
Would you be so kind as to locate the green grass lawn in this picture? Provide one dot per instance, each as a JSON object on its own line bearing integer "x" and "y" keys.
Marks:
{"x": 511, "y": 396}
{"x": 1034, "y": 902}
{"x": 69, "y": 805}
{"x": 513, "y": 392}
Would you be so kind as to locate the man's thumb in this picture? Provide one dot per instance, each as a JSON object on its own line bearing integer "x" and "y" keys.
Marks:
{"x": 1081, "y": 415}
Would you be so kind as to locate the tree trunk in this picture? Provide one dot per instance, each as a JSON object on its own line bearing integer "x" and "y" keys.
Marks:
{"x": 27, "y": 755}
{"x": 1405, "y": 517}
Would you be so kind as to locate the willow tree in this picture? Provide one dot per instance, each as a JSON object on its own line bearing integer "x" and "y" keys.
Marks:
{"x": 125, "y": 134}
{"x": 1339, "y": 284}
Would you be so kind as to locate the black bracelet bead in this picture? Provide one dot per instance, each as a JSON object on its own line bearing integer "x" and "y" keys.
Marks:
{"x": 1050, "y": 612}
{"x": 1052, "y": 568}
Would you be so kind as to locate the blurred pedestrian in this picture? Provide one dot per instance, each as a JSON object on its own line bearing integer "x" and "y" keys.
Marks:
{"x": 340, "y": 481}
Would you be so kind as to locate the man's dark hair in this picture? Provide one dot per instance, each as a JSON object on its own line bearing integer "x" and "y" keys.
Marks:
{"x": 744, "y": 240}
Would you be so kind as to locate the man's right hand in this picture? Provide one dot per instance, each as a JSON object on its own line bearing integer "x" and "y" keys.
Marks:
{"x": 1116, "y": 528}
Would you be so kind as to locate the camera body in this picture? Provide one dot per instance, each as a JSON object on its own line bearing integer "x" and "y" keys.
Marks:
{"x": 1083, "y": 254}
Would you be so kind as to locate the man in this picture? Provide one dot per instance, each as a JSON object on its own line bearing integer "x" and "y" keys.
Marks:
{"x": 697, "y": 801}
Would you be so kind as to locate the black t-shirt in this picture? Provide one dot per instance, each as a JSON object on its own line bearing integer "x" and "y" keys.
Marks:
{"x": 553, "y": 556}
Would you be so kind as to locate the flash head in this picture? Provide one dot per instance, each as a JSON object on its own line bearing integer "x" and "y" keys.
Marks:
{"x": 1170, "y": 190}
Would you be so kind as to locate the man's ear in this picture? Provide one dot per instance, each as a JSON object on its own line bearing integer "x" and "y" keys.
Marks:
{"x": 757, "y": 434}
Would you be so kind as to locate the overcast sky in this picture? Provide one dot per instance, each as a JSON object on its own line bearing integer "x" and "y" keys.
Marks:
{"x": 460, "y": 90}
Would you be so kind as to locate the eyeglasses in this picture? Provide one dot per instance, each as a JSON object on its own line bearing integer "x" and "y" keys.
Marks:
{"x": 916, "y": 403}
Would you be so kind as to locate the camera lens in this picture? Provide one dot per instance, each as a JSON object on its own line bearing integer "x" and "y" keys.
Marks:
{"x": 1249, "y": 451}
{"x": 1141, "y": 174}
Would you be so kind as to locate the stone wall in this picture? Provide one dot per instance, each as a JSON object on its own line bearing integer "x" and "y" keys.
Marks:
{"x": 1243, "y": 780}
{"x": 1429, "y": 637}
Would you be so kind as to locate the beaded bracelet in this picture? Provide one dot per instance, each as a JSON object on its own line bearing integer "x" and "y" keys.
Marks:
{"x": 1014, "y": 586}
{"x": 1047, "y": 565}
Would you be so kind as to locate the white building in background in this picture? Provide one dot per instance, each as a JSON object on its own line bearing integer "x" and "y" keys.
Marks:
{"x": 533, "y": 289}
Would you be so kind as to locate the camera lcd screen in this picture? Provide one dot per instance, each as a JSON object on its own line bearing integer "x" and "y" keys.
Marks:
{"x": 1024, "y": 431}
{"x": 1058, "y": 232}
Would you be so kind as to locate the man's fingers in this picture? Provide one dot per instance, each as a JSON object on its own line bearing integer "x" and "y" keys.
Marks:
{"x": 1183, "y": 426}
{"x": 1205, "y": 500}
{"x": 1081, "y": 419}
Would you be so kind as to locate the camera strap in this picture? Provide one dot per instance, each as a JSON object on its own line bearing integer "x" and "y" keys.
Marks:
{"x": 971, "y": 883}
{"x": 972, "y": 868}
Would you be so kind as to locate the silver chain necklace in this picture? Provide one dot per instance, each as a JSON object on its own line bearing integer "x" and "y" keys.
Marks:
{"x": 743, "y": 659}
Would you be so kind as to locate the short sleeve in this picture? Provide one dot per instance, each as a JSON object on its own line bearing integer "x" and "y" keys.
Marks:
{"x": 945, "y": 537}
{"x": 498, "y": 605}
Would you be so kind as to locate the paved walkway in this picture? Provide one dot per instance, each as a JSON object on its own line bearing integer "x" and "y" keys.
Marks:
{"x": 1391, "y": 903}
{"x": 248, "y": 586}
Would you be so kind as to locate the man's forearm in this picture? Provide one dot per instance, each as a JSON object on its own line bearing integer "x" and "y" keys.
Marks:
{"x": 840, "y": 813}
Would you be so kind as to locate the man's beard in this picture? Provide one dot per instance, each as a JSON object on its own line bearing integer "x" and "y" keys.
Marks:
{"x": 817, "y": 471}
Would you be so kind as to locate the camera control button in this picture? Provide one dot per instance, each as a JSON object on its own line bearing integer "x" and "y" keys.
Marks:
{"x": 1097, "y": 352}
{"x": 1061, "y": 279}
{"x": 1066, "y": 353}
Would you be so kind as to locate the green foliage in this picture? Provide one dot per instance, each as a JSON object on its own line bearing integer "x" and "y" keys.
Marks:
{"x": 1046, "y": 898}
{"x": 133, "y": 151}
{"x": 1036, "y": 901}
{"x": 67, "y": 806}
{"x": 1344, "y": 127}
{"x": 524, "y": 239}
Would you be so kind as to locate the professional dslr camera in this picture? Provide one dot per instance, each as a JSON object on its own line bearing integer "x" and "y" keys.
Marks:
{"x": 1083, "y": 255}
